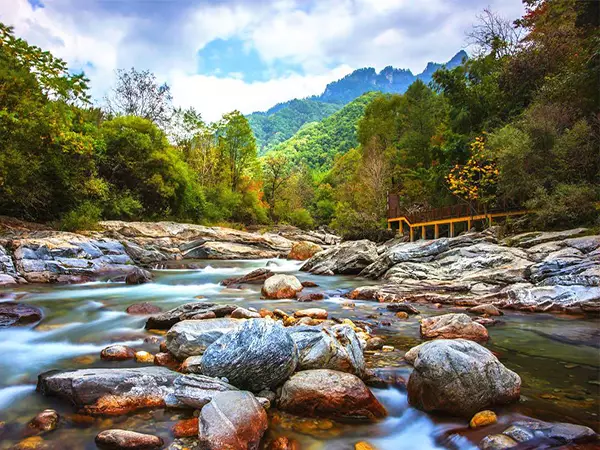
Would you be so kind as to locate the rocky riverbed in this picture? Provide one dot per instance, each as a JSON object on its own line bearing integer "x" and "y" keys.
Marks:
{"x": 425, "y": 349}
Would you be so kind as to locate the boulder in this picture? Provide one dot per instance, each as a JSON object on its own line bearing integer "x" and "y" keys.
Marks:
{"x": 14, "y": 314}
{"x": 349, "y": 257}
{"x": 313, "y": 313}
{"x": 304, "y": 250}
{"x": 453, "y": 326}
{"x": 402, "y": 307}
{"x": 281, "y": 286}
{"x": 258, "y": 355}
{"x": 228, "y": 250}
{"x": 143, "y": 309}
{"x": 336, "y": 348}
{"x": 497, "y": 442}
{"x": 197, "y": 390}
{"x": 127, "y": 440}
{"x": 310, "y": 296}
{"x": 243, "y": 313}
{"x": 232, "y": 420}
{"x": 117, "y": 353}
{"x": 257, "y": 276}
{"x": 459, "y": 377}
{"x": 331, "y": 394}
{"x": 110, "y": 391}
{"x": 192, "y": 337}
{"x": 166, "y": 359}
{"x": 138, "y": 276}
{"x": 192, "y": 365}
{"x": 166, "y": 320}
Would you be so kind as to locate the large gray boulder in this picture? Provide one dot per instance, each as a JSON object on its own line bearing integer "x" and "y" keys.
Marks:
{"x": 232, "y": 420}
{"x": 336, "y": 348}
{"x": 192, "y": 337}
{"x": 110, "y": 391}
{"x": 188, "y": 311}
{"x": 328, "y": 393}
{"x": 8, "y": 273}
{"x": 197, "y": 390}
{"x": 258, "y": 355}
{"x": 349, "y": 257}
{"x": 459, "y": 377}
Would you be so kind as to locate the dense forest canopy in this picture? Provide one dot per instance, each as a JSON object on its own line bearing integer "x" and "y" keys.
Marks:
{"x": 518, "y": 124}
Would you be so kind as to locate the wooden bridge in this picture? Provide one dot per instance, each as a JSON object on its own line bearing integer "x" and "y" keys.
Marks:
{"x": 439, "y": 222}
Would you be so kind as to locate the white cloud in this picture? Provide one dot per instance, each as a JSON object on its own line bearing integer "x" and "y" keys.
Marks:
{"x": 327, "y": 38}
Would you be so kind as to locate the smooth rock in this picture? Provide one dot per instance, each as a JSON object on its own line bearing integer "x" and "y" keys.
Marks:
{"x": 143, "y": 309}
{"x": 336, "y": 348}
{"x": 197, "y": 390}
{"x": 243, "y": 313}
{"x": 331, "y": 394}
{"x": 565, "y": 433}
{"x": 42, "y": 423}
{"x": 14, "y": 314}
{"x": 281, "y": 286}
{"x": 192, "y": 337}
{"x": 486, "y": 309}
{"x": 304, "y": 250}
{"x": 310, "y": 297}
{"x": 117, "y": 353}
{"x": 127, "y": 440}
{"x": 144, "y": 357}
{"x": 166, "y": 359}
{"x": 110, "y": 391}
{"x": 483, "y": 418}
{"x": 453, "y": 326}
{"x": 232, "y": 420}
{"x": 257, "y": 276}
{"x": 260, "y": 354}
{"x": 138, "y": 276}
{"x": 402, "y": 307}
{"x": 166, "y": 320}
{"x": 459, "y": 377}
{"x": 313, "y": 313}
{"x": 497, "y": 442}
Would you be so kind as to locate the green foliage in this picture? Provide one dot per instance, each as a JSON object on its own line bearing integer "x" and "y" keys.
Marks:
{"x": 84, "y": 217}
{"x": 317, "y": 143}
{"x": 301, "y": 218}
{"x": 567, "y": 205}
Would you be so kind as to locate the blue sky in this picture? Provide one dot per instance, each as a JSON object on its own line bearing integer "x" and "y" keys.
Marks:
{"x": 220, "y": 55}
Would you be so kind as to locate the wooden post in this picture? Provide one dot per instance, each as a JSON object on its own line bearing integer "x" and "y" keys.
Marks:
{"x": 423, "y": 234}
{"x": 389, "y": 225}
{"x": 469, "y": 225}
{"x": 400, "y": 228}
{"x": 436, "y": 231}
{"x": 451, "y": 229}
{"x": 412, "y": 234}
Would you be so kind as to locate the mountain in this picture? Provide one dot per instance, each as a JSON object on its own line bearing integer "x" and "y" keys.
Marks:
{"x": 317, "y": 143}
{"x": 389, "y": 80}
{"x": 284, "y": 119}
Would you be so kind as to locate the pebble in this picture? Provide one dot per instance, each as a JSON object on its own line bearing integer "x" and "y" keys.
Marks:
{"x": 144, "y": 357}
{"x": 387, "y": 348}
{"x": 483, "y": 418}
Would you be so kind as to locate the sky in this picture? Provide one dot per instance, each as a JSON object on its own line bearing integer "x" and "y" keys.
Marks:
{"x": 221, "y": 55}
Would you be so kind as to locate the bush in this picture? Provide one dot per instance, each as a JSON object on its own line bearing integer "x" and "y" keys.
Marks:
{"x": 301, "y": 218}
{"x": 372, "y": 234}
{"x": 569, "y": 205}
{"x": 84, "y": 217}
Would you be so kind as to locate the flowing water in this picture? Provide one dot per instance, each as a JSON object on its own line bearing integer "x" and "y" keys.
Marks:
{"x": 557, "y": 358}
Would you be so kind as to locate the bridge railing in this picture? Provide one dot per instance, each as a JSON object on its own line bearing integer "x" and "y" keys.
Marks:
{"x": 446, "y": 212}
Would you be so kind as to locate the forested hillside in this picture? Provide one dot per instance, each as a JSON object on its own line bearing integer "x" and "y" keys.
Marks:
{"x": 317, "y": 143}
{"x": 283, "y": 120}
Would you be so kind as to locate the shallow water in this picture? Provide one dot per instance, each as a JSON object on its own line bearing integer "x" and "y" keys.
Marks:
{"x": 557, "y": 358}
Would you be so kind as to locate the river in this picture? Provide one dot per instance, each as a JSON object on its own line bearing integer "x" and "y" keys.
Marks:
{"x": 557, "y": 357}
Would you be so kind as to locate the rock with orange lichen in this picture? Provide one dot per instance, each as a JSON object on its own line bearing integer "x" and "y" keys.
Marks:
{"x": 483, "y": 418}
{"x": 31, "y": 443}
{"x": 331, "y": 394}
{"x": 304, "y": 250}
{"x": 283, "y": 443}
{"x": 186, "y": 428}
{"x": 44, "y": 422}
{"x": 110, "y": 391}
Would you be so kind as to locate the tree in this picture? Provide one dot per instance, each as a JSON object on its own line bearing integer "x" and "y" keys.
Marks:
{"x": 138, "y": 94}
{"x": 476, "y": 180}
{"x": 276, "y": 171}
{"x": 238, "y": 146}
{"x": 493, "y": 34}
